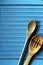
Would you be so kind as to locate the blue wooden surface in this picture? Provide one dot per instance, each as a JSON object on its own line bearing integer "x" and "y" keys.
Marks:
{"x": 21, "y": 1}
{"x": 13, "y": 25}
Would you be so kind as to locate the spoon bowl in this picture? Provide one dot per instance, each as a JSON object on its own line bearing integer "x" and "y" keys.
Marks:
{"x": 30, "y": 28}
{"x": 35, "y": 44}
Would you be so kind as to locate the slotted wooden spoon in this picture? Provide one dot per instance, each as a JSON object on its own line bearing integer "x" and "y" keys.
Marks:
{"x": 30, "y": 29}
{"x": 34, "y": 46}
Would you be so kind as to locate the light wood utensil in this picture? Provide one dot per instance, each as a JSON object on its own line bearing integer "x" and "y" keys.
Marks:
{"x": 30, "y": 30}
{"x": 34, "y": 46}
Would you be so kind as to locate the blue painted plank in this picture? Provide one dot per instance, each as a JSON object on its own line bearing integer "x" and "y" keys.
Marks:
{"x": 13, "y": 28}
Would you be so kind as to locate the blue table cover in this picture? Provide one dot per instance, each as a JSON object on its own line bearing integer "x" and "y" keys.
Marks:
{"x": 14, "y": 18}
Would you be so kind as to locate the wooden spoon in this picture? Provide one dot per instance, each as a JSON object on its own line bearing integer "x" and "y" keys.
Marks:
{"x": 30, "y": 30}
{"x": 34, "y": 46}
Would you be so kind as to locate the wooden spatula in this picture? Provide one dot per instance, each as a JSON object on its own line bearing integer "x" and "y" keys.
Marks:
{"x": 34, "y": 46}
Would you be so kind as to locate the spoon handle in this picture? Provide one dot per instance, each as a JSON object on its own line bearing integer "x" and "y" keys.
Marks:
{"x": 27, "y": 37}
{"x": 27, "y": 60}
{"x": 22, "y": 54}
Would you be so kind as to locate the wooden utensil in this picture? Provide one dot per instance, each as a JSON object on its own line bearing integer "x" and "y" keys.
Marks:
{"x": 34, "y": 46}
{"x": 31, "y": 27}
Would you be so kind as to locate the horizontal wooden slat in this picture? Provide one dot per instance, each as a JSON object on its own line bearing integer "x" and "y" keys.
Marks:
{"x": 13, "y": 28}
